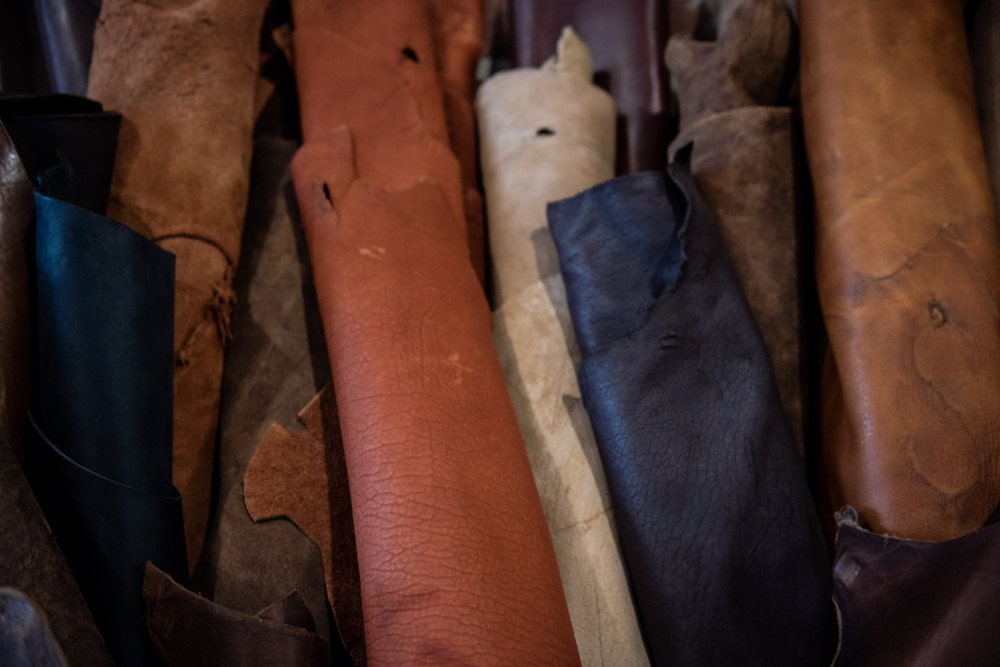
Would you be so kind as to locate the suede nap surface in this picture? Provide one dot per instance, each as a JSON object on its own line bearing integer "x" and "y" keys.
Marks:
{"x": 547, "y": 134}
{"x": 907, "y": 264}
{"x": 183, "y": 76}
{"x": 716, "y": 524}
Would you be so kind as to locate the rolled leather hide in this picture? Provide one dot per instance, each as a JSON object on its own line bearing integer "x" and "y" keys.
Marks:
{"x": 717, "y": 528}
{"x": 25, "y": 637}
{"x": 745, "y": 150}
{"x": 455, "y": 560}
{"x": 187, "y": 629}
{"x": 907, "y": 265}
{"x": 548, "y": 134}
{"x": 275, "y": 363}
{"x": 183, "y": 76}
{"x": 66, "y": 28}
{"x": 30, "y": 559}
{"x": 626, "y": 39}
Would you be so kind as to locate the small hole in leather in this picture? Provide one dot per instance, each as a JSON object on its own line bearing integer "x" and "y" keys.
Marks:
{"x": 411, "y": 54}
{"x": 326, "y": 193}
{"x": 545, "y": 132}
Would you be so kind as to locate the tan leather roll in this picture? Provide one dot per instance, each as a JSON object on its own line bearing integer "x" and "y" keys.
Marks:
{"x": 455, "y": 560}
{"x": 183, "y": 76}
{"x": 548, "y": 134}
{"x": 908, "y": 265}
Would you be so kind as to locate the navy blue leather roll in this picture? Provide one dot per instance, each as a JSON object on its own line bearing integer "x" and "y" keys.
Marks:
{"x": 721, "y": 542}
{"x": 67, "y": 35}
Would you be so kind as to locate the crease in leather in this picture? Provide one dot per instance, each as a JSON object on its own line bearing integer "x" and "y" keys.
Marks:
{"x": 626, "y": 39}
{"x": 187, "y": 629}
{"x": 276, "y": 362}
{"x": 66, "y": 28}
{"x": 183, "y": 76}
{"x": 744, "y": 161}
{"x": 31, "y": 559}
{"x": 714, "y": 517}
{"x": 907, "y": 266}
{"x": 26, "y": 640}
{"x": 522, "y": 171}
{"x": 288, "y": 472}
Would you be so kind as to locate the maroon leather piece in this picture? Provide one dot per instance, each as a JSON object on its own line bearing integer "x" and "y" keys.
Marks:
{"x": 626, "y": 39}
{"x": 908, "y": 265}
{"x": 183, "y": 75}
{"x": 302, "y": 476}
{"x": 904, "y": 602}
{"x": 454, "y": 555}
{"x": 187, "y": 629}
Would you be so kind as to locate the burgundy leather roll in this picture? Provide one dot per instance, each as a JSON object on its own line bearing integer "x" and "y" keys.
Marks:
{"x": 908, "y": 266}
{"x": 183, "y": 76}
{"x": 454, "y": 555}
{"x": 626, "y": 38}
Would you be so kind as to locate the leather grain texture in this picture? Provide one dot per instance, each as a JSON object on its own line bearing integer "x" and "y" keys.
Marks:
{"x": 547, "y": 134}
{"x": 25, "y": 637}
{"x": 907, "y": 264}
{"x": 626, "y": 39}
{"x": 723, "y": 547}
{"x": 183, "y": 76}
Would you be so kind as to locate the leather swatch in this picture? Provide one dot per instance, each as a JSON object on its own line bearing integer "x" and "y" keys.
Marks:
{"x": 30, "y": 559}
{"x": 626, "y": 39}
{"x": 718, "y": 531}
{"x": 273, "y": 365}
{"x": 66, "y": 28}
{"x": 183, "y": 76}
{"x": 907, "y": 263}
{"x": 98, "y": 454}
{"x": 916, "y": 603}
{"x": 25, "y": 637}
{"x": 548, "y": 134}
{"x": 303, "y": 476}
{"x": 744, "y": 161}
{"x": 187, "y": 629}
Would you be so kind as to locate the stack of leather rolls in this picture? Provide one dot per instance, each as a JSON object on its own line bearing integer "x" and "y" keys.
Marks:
{"x": 642, "y": 332}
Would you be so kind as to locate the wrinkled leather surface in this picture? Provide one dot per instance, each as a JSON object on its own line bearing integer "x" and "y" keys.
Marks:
{"x": 916, "y": 603}
{"x": 744, "y": 161}
{"x": 722, "y": 544}
{"x": 187, "y": 629}
{"x": 626, "y": 39}
{"x": 303, "y": 476}
{"x": 30, "y": 559}
{"x": 984, "y": 47}
{"x": 523, "y": 171}
{"x": 907, "y": 266}
{"x": 67, "y": 34}
{"x": 25, "y": 637}
{"x": 438, "y": 474}
{"x": 276, "y": 362}
{"x": 99, "y": 449}
{"x": 183, "y": 76}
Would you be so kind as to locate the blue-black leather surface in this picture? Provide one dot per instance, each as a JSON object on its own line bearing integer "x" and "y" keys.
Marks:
{"x": 66, "y": 28}
{"x": 723, "y": 549}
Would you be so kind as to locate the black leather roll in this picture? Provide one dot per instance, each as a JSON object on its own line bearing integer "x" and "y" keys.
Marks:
{"x": 25, "y": 637}
{"x": 66, "y": 28}
{"x": 718, "y": 531}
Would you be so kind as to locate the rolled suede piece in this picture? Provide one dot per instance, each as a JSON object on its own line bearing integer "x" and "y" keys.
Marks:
{"x": 66, "y": 28}
{"x": 187, "y": 629}
{"x": 30, "y": 560}
{"x": 907, "y": 267}
{"x": 183, "y": 76}
{"x": 916, "y": 603}
{"x": 438, "y": 474}
{"x": 548, "y": 134}
{"x": 744, "y": 161}
{"x": 984, "y": 47}
{"x": 25, "y": 637}
{"x": 717, "y": 528}
{"x": 275, "y": 363}
{"x": 99, "y": 441}
{"x": 626, "y": 39}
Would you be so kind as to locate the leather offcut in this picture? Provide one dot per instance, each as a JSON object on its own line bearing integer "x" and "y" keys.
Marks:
{"x": 745, "y": 159}
{"x": 907, "y": 265}
{"x": 626, "y": 39}
{"x": 25, "y": 637}
{"x": 548, "y": 134}
{"x": 183, "y": 76}
{"x": 716, "y": 524}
